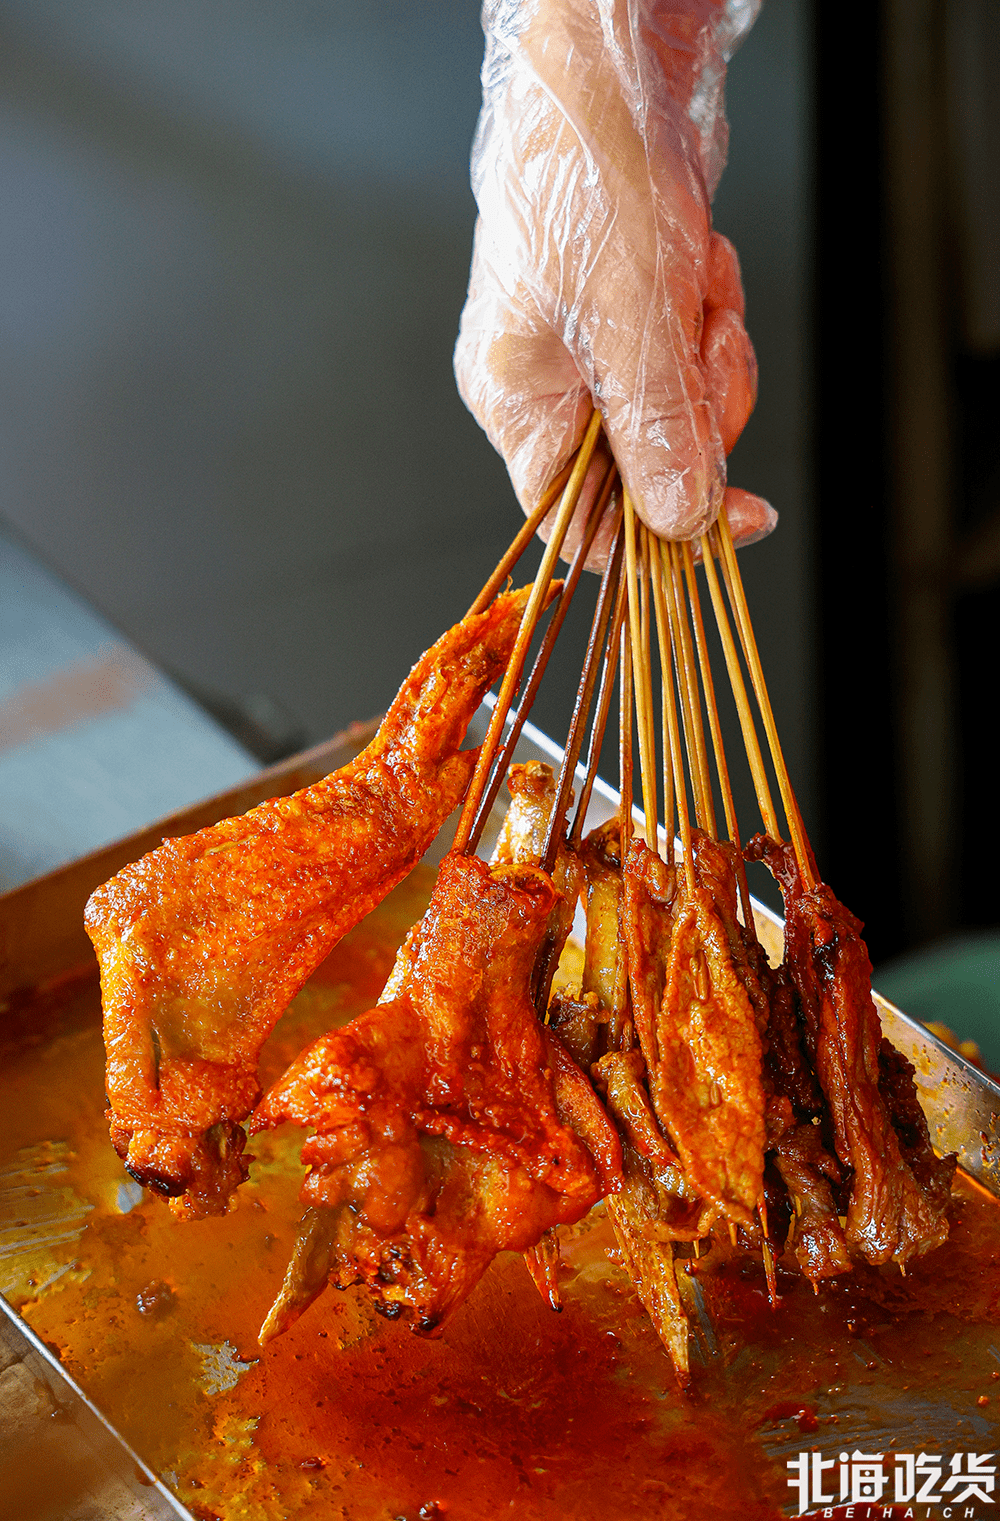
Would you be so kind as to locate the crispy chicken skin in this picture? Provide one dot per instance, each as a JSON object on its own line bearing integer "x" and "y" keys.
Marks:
{"x": 203, "y": 943}
{"x": 899, "y": 1189}
{"x": 450, "y": 1125}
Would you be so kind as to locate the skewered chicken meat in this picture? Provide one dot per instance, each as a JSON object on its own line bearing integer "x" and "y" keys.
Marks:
{"x": 899, "y": 1189}
{"x": 596, "y": 1021}
{"x": 521, "y": 842}
{"x": 203, "y": 943}
{"x": 450, "y": 1124}
{"x": 697, "y": 1028}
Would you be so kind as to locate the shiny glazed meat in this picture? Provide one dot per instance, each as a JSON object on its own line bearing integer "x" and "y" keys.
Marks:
{"x": 514, "y": 1410}
{"x": 204, "y": 942}
{"x": 450, "y": 1124}
{"x": 899, "y": 1190}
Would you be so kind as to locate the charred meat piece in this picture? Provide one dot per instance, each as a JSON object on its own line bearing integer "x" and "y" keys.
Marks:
{"x": 680, "y": 1214}
{"x": 699, "y": 1035}
{"x": 204, "y": 942}
{"x": 797, "y": 1127}
{"x": 450, "y": 1125}
{"x": 899, "y": 1189}
{"x": 655, "y": 1205}
{"x": 694, "y": 1140}
{"x": 621, "y": 1075}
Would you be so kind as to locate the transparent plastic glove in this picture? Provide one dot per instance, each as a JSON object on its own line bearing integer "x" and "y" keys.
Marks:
{"x": 595, "y": 271}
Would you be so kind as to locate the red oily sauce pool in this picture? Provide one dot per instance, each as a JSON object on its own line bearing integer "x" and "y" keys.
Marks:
{"x": 515, "y": 1411}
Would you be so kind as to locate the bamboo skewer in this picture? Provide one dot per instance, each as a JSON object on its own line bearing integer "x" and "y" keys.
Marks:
{"x": 669, "y": 790}
{"x": 670, "y": 723}
{"x": 603, "y": 697}
{"x": 694, "y": 732}
{"x": 737, "y": 596}
{"x": 545, "y": 965}
{"x": 542, "y": 658}
{"x": 625, "y": 730}
{"x": 708, "y": 688}
{"x": 645, "y": 572}
{"x": 751, "y": 743}
{"x": 640, "y": 679}
{"x": 715, "y": 726}
{"x": 528, "y": 530}
{"x": 648, "y": 567}
{"x": 581, "y": 708}
{"x": 529, "y": 620}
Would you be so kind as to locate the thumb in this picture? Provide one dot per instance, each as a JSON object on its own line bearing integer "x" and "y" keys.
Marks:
{"x": 750, "y": 517}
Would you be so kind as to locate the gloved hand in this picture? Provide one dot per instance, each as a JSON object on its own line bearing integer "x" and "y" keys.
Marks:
{"x": 595, "y": 272}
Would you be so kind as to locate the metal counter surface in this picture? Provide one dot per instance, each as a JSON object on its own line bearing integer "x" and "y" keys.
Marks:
{"x": 94, "y": 740}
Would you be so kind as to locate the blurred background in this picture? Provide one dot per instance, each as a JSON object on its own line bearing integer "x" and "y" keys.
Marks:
{"x": 233, "y": 251}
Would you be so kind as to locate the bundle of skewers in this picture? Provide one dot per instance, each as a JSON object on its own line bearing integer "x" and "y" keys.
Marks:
{"x": 719, "y": 1104}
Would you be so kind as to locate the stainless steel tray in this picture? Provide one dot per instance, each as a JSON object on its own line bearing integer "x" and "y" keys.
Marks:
{"x": 41, "y": 941}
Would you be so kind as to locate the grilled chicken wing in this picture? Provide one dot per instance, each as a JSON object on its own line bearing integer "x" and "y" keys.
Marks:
{"x": 450, "y": 1124}
{"x": 203, "y": 943}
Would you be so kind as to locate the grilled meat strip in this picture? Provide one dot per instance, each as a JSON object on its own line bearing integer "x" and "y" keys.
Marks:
{"x": 694, "y": 1140}
{"x": 899, "y": 1189}
{"x": 520, "y": 843}
{"x": 653, "y": 1205}
{"x": 804, "y": 1165}
{"x": 716, "y": 865}
{"x": 647, "y": 1254}
{"x": 798, "y": 1123}
{"x": 699, "y": 1032}
{"x": 204, "y": 942}
{"x": 450, "y": 1124}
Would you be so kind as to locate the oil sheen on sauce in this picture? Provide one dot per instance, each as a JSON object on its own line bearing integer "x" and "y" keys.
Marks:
{"x": 515, "y": 1411}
